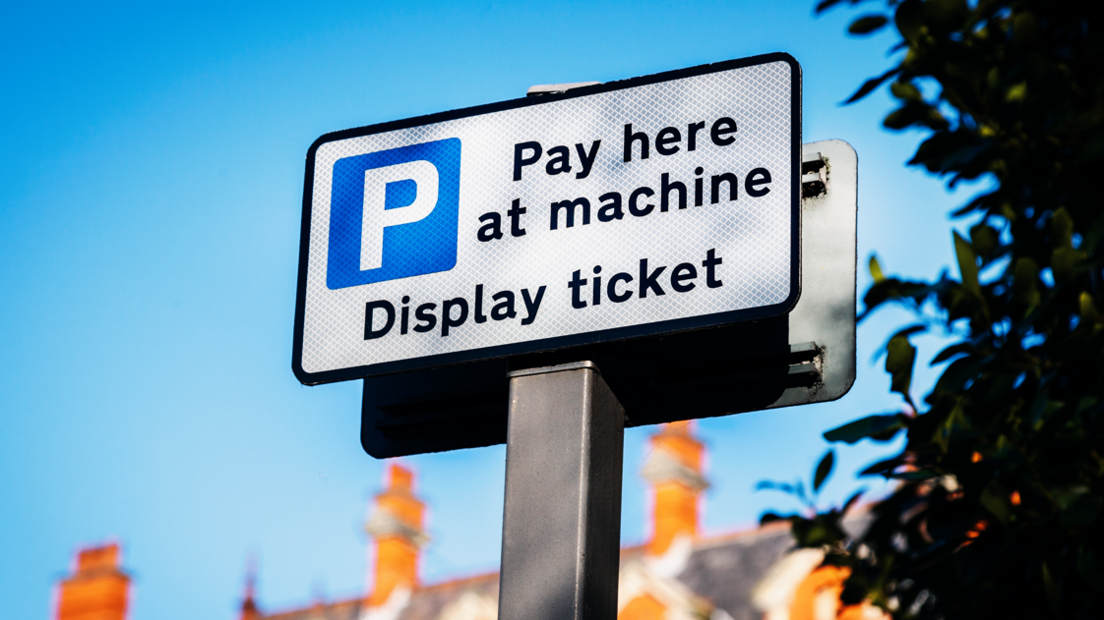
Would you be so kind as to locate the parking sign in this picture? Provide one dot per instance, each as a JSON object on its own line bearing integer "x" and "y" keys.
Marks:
{"x": 659, "y": 204}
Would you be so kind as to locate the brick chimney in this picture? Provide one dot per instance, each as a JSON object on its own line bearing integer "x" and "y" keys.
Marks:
{"x": 396, "y": 526}
{"x": 249, "y": 609}
{"x": 674, "y": 467}
{"x": 98, "y": 589}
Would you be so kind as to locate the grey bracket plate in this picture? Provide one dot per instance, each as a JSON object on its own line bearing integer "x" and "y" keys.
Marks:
{"x": 805, "y": 357}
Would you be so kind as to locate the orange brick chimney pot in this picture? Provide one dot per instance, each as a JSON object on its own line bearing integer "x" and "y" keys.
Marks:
{"x": 396, "y": 526}
{"x": 674, "y": 467}
{"x": 98, "y": 589}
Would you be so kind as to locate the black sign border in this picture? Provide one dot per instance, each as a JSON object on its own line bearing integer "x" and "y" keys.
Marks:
{"x": 559, "y": 342}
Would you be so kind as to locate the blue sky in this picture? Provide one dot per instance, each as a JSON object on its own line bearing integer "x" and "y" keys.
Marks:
{"x": 150, "y": 188}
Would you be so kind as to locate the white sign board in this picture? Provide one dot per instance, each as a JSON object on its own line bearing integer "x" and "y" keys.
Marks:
{"x": 652, "y": 205}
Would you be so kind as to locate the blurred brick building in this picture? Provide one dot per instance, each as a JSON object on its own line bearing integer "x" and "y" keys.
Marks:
{"x": 678, "y": 574}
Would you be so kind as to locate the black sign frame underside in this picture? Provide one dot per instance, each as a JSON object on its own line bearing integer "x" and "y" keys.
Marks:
{"x": 573, "y": 340}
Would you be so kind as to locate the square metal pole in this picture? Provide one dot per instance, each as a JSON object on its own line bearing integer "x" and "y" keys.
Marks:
{"x": 562, "y": 519}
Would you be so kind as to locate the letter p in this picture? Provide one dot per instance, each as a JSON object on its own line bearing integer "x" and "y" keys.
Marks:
{"x": 394, "y": 214}
{"x": 378, "y": 214}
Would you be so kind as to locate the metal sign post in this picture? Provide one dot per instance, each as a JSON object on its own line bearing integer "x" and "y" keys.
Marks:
{"x": 562, "y": 519}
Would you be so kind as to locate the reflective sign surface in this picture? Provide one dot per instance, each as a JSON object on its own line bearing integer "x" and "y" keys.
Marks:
{"x": 657, "y": 204}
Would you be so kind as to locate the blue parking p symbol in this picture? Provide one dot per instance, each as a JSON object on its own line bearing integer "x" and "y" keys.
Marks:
{"x": 394, "y": 214}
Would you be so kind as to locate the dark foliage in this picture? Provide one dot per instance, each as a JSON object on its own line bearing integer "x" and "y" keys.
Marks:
{"x": 997, "y": 508}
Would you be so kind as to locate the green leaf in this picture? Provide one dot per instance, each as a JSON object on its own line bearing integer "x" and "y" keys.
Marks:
{"x": 984, "y": 238}
{"x": 954, "y": 421}
{"x": 884, "y": 467}
{"x": 1083, "y": 405}
{"x": 951, "y": 351}
{"x": 892, "y": 289}
{"x": 1024, "y": 28}
{"x": 1081, "y": 511}
{"x": 915, "y": 328}
{"x": 823, "y": 469}
{"x": 1063, "y": 264}
{"x": 868, "y": 24}
{"x": 876, "y": 269}
{"x": 915, "y": 113}
{"x": 1067, "y": 496}
{"x": 824, "y": 5}
{"x": 869, "y": 86}
{"x": 904, "y": 116}
{"x": 1025, "y": 276}
{"x": 905, "y": 91}
{"x": 1087, "y": 309}
{"x": 945, "y": 15}
{"x": 879, "y": 427}
{"x": 933, "y": 119}
{"x": 995, "y": 499}
{"x": 823, "y": 529}
{"x": 909, "y": 19}
{"x": 949, "y": 151}
{"x": 1092, "y": 237}
{"x": 967, "y": 264}
{"x": 954, "y": 377}
{"x": 899, "y": 362}
{"x": 1017, "y": 92}
{"x": 1061, "y": 229}
{"x": 1053, "y": 592}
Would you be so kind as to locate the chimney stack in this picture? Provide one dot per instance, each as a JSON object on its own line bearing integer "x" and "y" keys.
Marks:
{"x": 396, "y": 526}
{"x": 674, "y": 467}
{"x": 98, "y": 589}
{"x": 249, "y": 609}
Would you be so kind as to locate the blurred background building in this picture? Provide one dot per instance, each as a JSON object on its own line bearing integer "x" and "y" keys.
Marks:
{"x": 678, "y": 574}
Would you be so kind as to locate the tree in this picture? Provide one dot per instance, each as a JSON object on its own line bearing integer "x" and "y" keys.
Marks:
{"x": 997, "y": 507}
